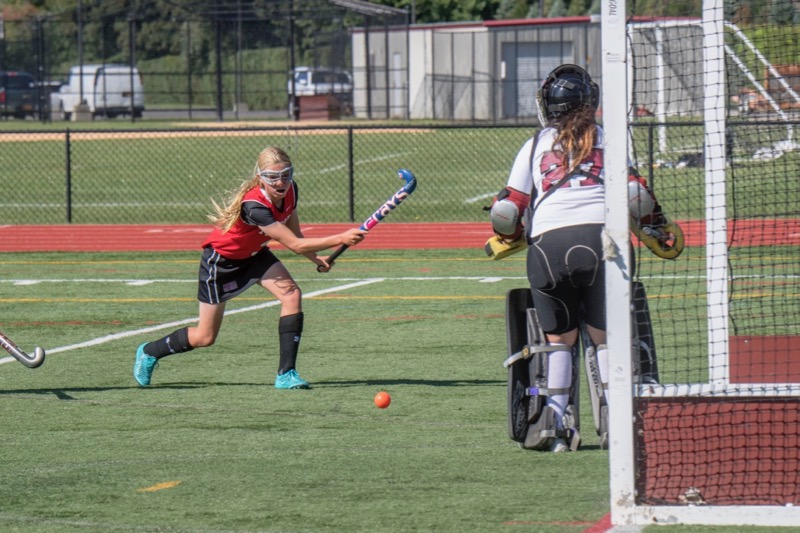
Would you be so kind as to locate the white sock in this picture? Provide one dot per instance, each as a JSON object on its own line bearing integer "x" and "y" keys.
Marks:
{"x": 559, "y": 376}
{"x": 602, "y": 362}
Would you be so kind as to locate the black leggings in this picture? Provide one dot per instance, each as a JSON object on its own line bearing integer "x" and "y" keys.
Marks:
{"x": 567, "y": 277}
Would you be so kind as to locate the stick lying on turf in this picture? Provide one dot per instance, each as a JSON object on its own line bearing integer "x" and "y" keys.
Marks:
{"x": 30, "y": 361}
{"x": 379, "y": 214}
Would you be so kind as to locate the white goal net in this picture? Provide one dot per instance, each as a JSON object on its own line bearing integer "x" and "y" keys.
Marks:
{"x": 702, "y": 97}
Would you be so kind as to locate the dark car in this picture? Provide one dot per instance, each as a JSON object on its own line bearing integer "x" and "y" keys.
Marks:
{"x": 18, "y": 94}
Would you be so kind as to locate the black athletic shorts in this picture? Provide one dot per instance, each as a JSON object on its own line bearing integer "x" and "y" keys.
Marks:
{"x": 567, "y": 276}
{"x": 222, "y": 279}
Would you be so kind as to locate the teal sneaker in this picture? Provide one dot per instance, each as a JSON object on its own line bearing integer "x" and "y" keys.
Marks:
{"x": 290, "y": 380}
{"x": 143, "y": 367}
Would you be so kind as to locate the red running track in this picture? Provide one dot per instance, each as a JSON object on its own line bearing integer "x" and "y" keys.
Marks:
{"x": 160, "y": 238}
{"x": 156, "y": 238}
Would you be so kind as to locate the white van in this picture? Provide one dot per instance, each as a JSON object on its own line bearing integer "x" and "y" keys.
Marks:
{"x": 107, "y": 91}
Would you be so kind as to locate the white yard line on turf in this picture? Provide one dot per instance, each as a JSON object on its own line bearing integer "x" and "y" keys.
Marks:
{"x": 476, "y": 199}
{"x": 138, "y": 282}
{"x": 124, "y": 334}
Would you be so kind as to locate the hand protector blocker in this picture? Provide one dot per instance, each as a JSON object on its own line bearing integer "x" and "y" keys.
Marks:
{"x": 664, "y": 238}
{"x": 498, "y": 248}
{"x": 653, "y": 228}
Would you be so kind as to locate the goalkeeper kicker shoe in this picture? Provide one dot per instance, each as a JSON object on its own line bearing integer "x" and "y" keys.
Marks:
{"x": 290, "y": 380}
{"x": 144, "y": 366}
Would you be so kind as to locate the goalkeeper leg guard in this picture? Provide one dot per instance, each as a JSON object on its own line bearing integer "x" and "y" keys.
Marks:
{"x": 646, "y": 364}
{"x": 540, "y": 409}
{"x": 597, "y": 376}
{"x": 550, "y": 416}
{"x": 517, "y": 303}
{"x": 559, "y": 378}
{"x": 560, "y": 375}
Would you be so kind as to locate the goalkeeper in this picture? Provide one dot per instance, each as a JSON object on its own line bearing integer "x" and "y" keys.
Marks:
{"x": 554, "y": 204}
{"x": 557, "y": 178}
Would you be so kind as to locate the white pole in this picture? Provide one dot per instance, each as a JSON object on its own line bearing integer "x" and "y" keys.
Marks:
{"x": 618, "y": 271}
{"x": 716, "y": 205}
{"x": 661, "y": 92}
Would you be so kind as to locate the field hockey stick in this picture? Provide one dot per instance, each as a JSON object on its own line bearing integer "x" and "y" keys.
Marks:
{"x": 380, "y": 213}
{"x": 30, "y": 361}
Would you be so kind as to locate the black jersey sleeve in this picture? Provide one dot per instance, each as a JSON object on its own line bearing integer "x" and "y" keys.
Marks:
{"x": 257, "y": 214}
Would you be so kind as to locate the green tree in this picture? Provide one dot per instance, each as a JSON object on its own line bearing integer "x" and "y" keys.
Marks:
{"x": 558, "y": 9}
{"x": 659, "y": 8}
{"x": 538, "y": 9}
{"x": 782, "y": 12}
{"x": 577, "y": 8}
{"x": 512, "y": 9}
{"x": 447, "y": 10}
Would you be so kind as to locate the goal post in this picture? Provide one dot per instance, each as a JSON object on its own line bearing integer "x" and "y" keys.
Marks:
{"x": 716, "y": 441}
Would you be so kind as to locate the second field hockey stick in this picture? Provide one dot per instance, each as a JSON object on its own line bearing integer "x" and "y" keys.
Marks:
{"x": 380, "y": 213}
{"x": 30, "y": 361}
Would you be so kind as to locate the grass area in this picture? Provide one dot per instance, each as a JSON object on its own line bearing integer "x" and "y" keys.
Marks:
{"x": 244, "y": 456}
{"x": 170, "y": 177}
{"x": 212, "y": 446}
{"x": 166, "y": 174}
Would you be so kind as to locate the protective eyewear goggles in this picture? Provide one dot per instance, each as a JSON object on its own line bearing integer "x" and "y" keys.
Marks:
{"x": 274, "y": 177}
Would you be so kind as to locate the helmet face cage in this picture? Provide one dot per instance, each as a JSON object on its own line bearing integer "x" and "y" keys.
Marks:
{"x": 567, "y": 88}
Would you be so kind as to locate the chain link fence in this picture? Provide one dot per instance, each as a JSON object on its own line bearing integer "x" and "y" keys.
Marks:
{"x": 231, "y": 59}
{"x": 225, "y": 56}
{"x": 171, "y": 176}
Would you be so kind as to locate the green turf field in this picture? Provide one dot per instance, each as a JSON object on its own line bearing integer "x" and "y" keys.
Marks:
{"x": 212, "y": 446}
{"x": 86, "y": 449}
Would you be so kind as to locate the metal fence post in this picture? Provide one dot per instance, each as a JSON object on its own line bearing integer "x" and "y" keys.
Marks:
{"x": 218, "y": 62}
{"x": 368, "y": 81}
{"x": 132, "y": 56}
{"x": 69, "y": 178}
{"x": 650, "y": 172}
{"x": 189, "y": 65}
{"x": 351, "y": 173}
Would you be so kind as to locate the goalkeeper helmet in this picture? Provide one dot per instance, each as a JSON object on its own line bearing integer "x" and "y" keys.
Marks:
{"x": 567, "y": 88}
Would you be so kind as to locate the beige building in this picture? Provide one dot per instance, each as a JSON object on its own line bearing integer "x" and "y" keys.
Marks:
{"x": 466, "y": 71}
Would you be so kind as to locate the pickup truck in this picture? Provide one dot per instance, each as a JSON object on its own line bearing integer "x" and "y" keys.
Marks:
{"x": 18, "y": 94}
{"x": 310, "y": 81}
